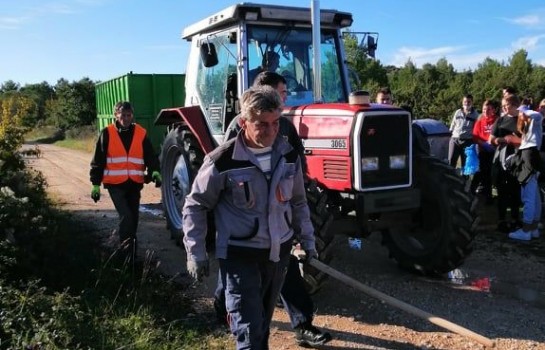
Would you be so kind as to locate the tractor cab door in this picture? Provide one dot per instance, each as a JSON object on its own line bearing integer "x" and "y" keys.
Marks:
{"x": 213, "y": 83}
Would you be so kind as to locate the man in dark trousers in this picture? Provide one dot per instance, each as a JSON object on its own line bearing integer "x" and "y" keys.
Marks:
{"x": 296, "y": 300}
{"x": 255, "y": 186}
{"x": 123, "y": 152}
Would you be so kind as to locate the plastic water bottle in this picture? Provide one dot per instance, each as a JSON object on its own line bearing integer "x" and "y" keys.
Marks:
{"x": 354, "y": 243}
{"x": 472, "y": 160}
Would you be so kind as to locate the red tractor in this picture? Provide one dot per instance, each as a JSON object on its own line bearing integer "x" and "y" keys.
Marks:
{"x": 362, "y": 157}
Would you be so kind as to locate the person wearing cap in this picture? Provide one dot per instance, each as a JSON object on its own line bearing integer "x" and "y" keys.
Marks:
{"x": 123, "y": 153}
{"x": 461, "y": 128}
{"x": 529, "y": 124}
{"x": 505, "y": 137}
{"x": 269, "y": 63}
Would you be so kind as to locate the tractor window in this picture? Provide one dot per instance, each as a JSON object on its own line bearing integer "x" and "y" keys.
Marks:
{"x": 288, "y": 51}
{"x": 212, "y": 82}
{"x": 331, "y": 76}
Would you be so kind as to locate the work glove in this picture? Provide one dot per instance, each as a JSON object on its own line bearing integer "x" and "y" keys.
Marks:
{"x": 95, "y": 193}
{"x": 198, "y": 269}
{"x": 156, "y": 177}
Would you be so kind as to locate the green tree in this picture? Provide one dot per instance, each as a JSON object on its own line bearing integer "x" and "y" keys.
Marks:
{"x": 40, "y": 94}
{"x": 487, "y": 81}
{"x": 369, "y": 73}
{"x": 8, "y": 86}
{"x": 75, "y": 104}
{"x": 403, "y": 84}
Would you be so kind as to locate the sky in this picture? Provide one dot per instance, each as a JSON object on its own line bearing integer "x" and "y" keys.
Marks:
{"x": 45, "y": 40}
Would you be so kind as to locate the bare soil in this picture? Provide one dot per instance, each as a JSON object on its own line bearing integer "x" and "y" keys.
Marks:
{"x": 511, "y": 312}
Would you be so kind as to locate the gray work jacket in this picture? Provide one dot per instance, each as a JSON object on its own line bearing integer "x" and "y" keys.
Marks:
{"x": 250, "y": 211}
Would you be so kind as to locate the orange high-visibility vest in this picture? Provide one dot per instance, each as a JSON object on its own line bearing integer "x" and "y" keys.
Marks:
{"x": 121, "y": 166}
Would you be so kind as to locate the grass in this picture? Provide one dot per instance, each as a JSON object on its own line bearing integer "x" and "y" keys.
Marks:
{"x": 61, "y": 289}
{"x": 81, "y": 144}
{"x": 69, "y": 292}
{"x": 81, "y": 138}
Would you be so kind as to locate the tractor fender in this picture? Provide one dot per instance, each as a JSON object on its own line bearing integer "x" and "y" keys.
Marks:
{"x": 194, "y": 119}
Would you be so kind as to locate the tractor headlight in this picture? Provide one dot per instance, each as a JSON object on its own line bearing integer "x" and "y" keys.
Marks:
{"x": 398, "y": 162}
{"x": 369, "y": 164}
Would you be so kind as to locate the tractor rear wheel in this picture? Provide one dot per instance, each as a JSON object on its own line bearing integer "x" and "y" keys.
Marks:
{"x": 321, "y": 218}
{"x": 438, "y": 236}
{"x": 181, "y": 158}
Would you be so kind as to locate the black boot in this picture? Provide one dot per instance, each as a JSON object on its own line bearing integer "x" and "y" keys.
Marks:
{"x": 308, "y": 335}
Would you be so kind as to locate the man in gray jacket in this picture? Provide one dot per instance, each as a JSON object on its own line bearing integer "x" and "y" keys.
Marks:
{"x": 254, "y": 185}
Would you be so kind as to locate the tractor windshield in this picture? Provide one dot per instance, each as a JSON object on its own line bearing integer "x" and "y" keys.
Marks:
{"x": 288, "y": 51}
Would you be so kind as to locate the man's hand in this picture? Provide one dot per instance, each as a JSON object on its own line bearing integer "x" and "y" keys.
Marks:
{"x": 156, "y": 177}
{"x": 306, "y": 255}
{"x": 95, "y": 193}
{"x": 198, "y": 269}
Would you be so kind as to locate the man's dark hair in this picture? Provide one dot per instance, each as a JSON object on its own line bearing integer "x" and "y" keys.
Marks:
{"x": 509, "y": 90}
{"x": 385, "y": 90}
{"x": 469, "y": 96}
{"x": 513, "y": 100}
{"x": 268, "y": 78}
{"x": 123, "y": 106}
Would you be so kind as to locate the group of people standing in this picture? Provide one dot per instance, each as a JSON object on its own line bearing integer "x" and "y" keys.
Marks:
{"x": 508, "y": 147}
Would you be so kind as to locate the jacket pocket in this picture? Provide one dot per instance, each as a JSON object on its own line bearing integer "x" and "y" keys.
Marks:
{"x": 284, "y": 190}
{"x": 242, "y": 191}
{"x": 247, "y": 235}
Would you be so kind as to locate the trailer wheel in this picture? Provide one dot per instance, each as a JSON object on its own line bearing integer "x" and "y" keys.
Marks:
{"x": 439, "y": 236}
{"x": 181, "y": 158}
{"x": 321, "y": 218}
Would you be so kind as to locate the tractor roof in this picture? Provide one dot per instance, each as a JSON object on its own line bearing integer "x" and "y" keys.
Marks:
{"x": 269, "y": 13}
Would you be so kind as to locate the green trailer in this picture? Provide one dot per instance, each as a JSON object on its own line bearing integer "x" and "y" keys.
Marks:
{"x": 148, "y": 93}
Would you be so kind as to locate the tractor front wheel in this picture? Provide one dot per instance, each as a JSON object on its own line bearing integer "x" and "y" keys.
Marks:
{"x": 438, "y": 236}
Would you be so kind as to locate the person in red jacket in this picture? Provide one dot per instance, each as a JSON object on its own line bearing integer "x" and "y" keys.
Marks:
{"x": 481, "y": 136}
{"x": 122, "y": 155}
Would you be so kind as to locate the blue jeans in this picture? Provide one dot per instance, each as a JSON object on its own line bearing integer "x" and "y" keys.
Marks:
{"x": 251, "y": 290}
{"x": 531, "y": 200}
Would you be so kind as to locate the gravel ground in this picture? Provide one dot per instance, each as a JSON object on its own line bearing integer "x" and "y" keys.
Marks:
{"x": 511, "y": 313}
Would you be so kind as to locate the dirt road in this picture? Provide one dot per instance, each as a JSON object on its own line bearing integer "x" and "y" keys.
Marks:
{"x": 511, "y": 312}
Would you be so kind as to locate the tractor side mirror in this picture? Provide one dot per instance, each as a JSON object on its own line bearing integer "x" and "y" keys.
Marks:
{"x": 209, "y": 56}
{"x": 371, "y": 46}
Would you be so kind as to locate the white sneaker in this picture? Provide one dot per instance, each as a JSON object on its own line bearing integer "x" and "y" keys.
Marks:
{"x": 536, "y": 233}
{"x": 521, "y": 235}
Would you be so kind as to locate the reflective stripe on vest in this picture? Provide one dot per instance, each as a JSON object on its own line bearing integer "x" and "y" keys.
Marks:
{"x": 121, "y": 166}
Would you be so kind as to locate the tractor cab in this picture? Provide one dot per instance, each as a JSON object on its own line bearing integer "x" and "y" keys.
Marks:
{"x": 229, "y": 48}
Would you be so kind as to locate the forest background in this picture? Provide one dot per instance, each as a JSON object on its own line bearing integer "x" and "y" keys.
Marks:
{"x": 432, "y": 91}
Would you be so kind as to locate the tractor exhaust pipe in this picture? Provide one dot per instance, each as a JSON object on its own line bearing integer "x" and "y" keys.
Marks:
{"x": 317, "y": 59}
{"x": 441, "y": 322}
